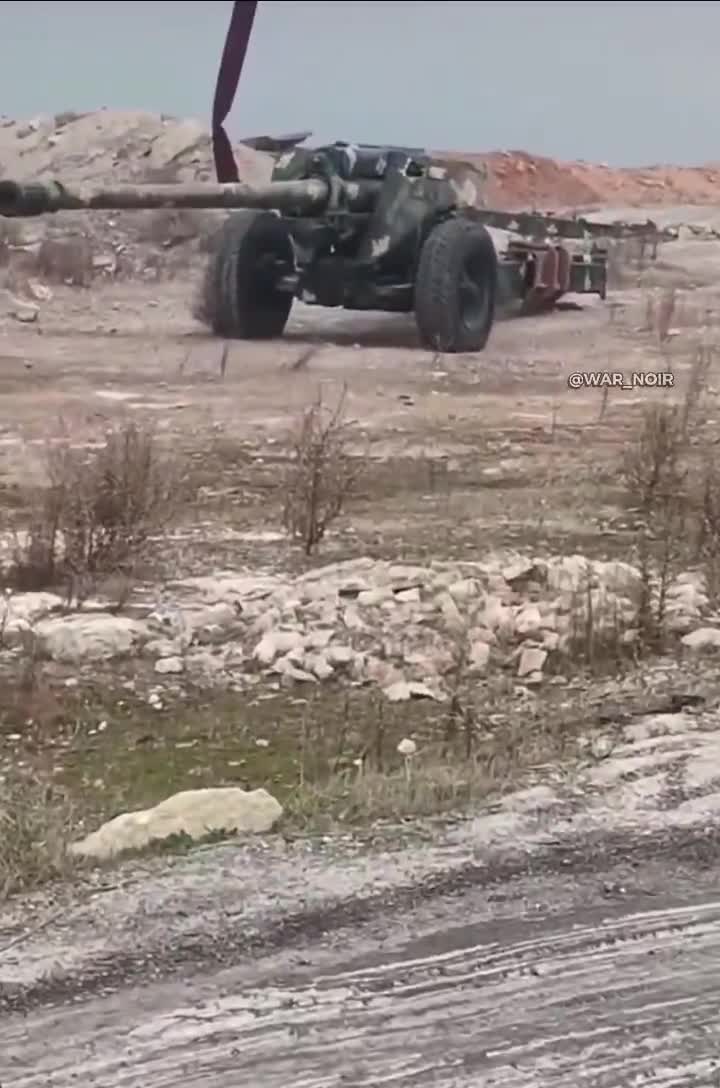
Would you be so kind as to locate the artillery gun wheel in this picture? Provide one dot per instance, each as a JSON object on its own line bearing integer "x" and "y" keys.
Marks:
{"x": 242, "y": 298}
{"x": 456, "y": 286}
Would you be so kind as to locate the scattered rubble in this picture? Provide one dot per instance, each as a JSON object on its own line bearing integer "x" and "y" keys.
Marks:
{"x": 403, "y": 628}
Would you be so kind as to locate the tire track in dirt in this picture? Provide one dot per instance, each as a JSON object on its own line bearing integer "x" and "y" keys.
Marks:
{"x": 628, "y": 999}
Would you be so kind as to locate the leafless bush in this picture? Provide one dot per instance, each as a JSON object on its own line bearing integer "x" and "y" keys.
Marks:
{"x": 670, "y": 482}
{"x": 66, "y": 260}
{"x": 628, "y": 258}
{"x": 35, "y": 828}
{"x": 98, "y": 510}
{"x": 322, "y": 473}
{"x": 656, "y": 478}
{"x": 707, "y": 526}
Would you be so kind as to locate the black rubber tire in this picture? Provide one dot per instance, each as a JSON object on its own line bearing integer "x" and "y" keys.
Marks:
{"x": 241, "y": 299}
{"x": 456, "y": 287}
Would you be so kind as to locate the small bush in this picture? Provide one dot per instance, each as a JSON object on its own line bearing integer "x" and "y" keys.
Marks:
{"x": 66, "y": 260}
{"x": 671, "y": 487}
{"x": 322, "y": 473}
{"x": 98, "y": 510}
{"x": 35, "y": 828}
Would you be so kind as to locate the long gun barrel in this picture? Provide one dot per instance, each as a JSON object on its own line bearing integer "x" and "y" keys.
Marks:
{"x": 23, "y": 200}
{"x": 305, "y": 197}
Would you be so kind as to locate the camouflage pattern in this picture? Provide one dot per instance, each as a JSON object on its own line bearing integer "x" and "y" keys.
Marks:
{"x": 358, "y": 216}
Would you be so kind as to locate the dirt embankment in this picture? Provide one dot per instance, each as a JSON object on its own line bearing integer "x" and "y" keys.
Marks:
{"x": 520, "y": 180}
{"x": 107, "y": 145}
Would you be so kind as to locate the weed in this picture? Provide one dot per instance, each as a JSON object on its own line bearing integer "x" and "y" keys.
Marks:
{"x": 322, "y": 473}
{"x": 65, "y": 260}
{"x": 35, "y": 823}
{"x": 98, "y": 511}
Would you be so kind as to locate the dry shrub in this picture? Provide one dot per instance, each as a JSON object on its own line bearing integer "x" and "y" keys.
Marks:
{"x": 66, "y": 260}
{"x": 671, "y": 486}
{"x": 656, "y": 477}
{"x": 99, "y": 510}
{"x": 707, "y": 535}
{"x": 35, "y": 828}
{"x": 660, "y": 313}
{"x": 628, "y": 259}
{"x": 322, "y": 473}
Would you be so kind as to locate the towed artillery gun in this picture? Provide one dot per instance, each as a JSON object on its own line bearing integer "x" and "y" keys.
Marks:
{"x": 364, "y": 228}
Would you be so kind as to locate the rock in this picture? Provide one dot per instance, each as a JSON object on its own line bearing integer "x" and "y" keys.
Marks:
{"x": 531, "y": 661}
{"x": 207, "y": 665}
{"x": 704, "y": 638}
{"x": 275, "y": 643}
{"x": 451, "y": 613}
{"x": 686, "y": 602}
{"x": 340, "y": 655}
{"x": 407, "y": 575}
{"x": 220, "y": 614}
{"x": 403, "y": 690}
{"x": 382, "y": 673}
{"x": 479, "y": 656}
{"x": 351, "y": 619}
{"x": 163, "y": 647}
{"x": 193, "y": 813}
{"x": 569, "y": 573}
{"x": 318, "y": 639}
{"x": 26, "y": 312}
{"x": 464, "y": 590}
{"x": 18, "y": 612}
{"x": 105, "y": 262}
{"x": 522, "y": 570}
{"x": 528, "y": 620}
{"x": 288, "y": 668}
{"x": 497, "y": 618}
{"x": 265, "y": 622}
{"x": 319, "y": 666}
{"x": 166, "y": 665}
{"x": 408, "y": 596}
{"x": 80, "y": 638}
{"x": 429, "y": 661}
{"x": 621, "y": 578}
{"x": 39, "y": 291}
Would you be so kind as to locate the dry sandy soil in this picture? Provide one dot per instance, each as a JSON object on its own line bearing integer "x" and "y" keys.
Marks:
{"x": 283, "y": 957}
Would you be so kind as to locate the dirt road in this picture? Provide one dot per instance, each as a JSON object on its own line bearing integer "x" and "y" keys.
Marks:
{"x": 535, "y": 978}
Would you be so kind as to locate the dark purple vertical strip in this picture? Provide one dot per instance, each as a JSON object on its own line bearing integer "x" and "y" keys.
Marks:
{"x": 231, "y": 67}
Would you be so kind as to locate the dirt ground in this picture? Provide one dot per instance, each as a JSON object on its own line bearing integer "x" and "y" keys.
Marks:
{"x": 467, "y": 453}
{"x": 467, "y": 456}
